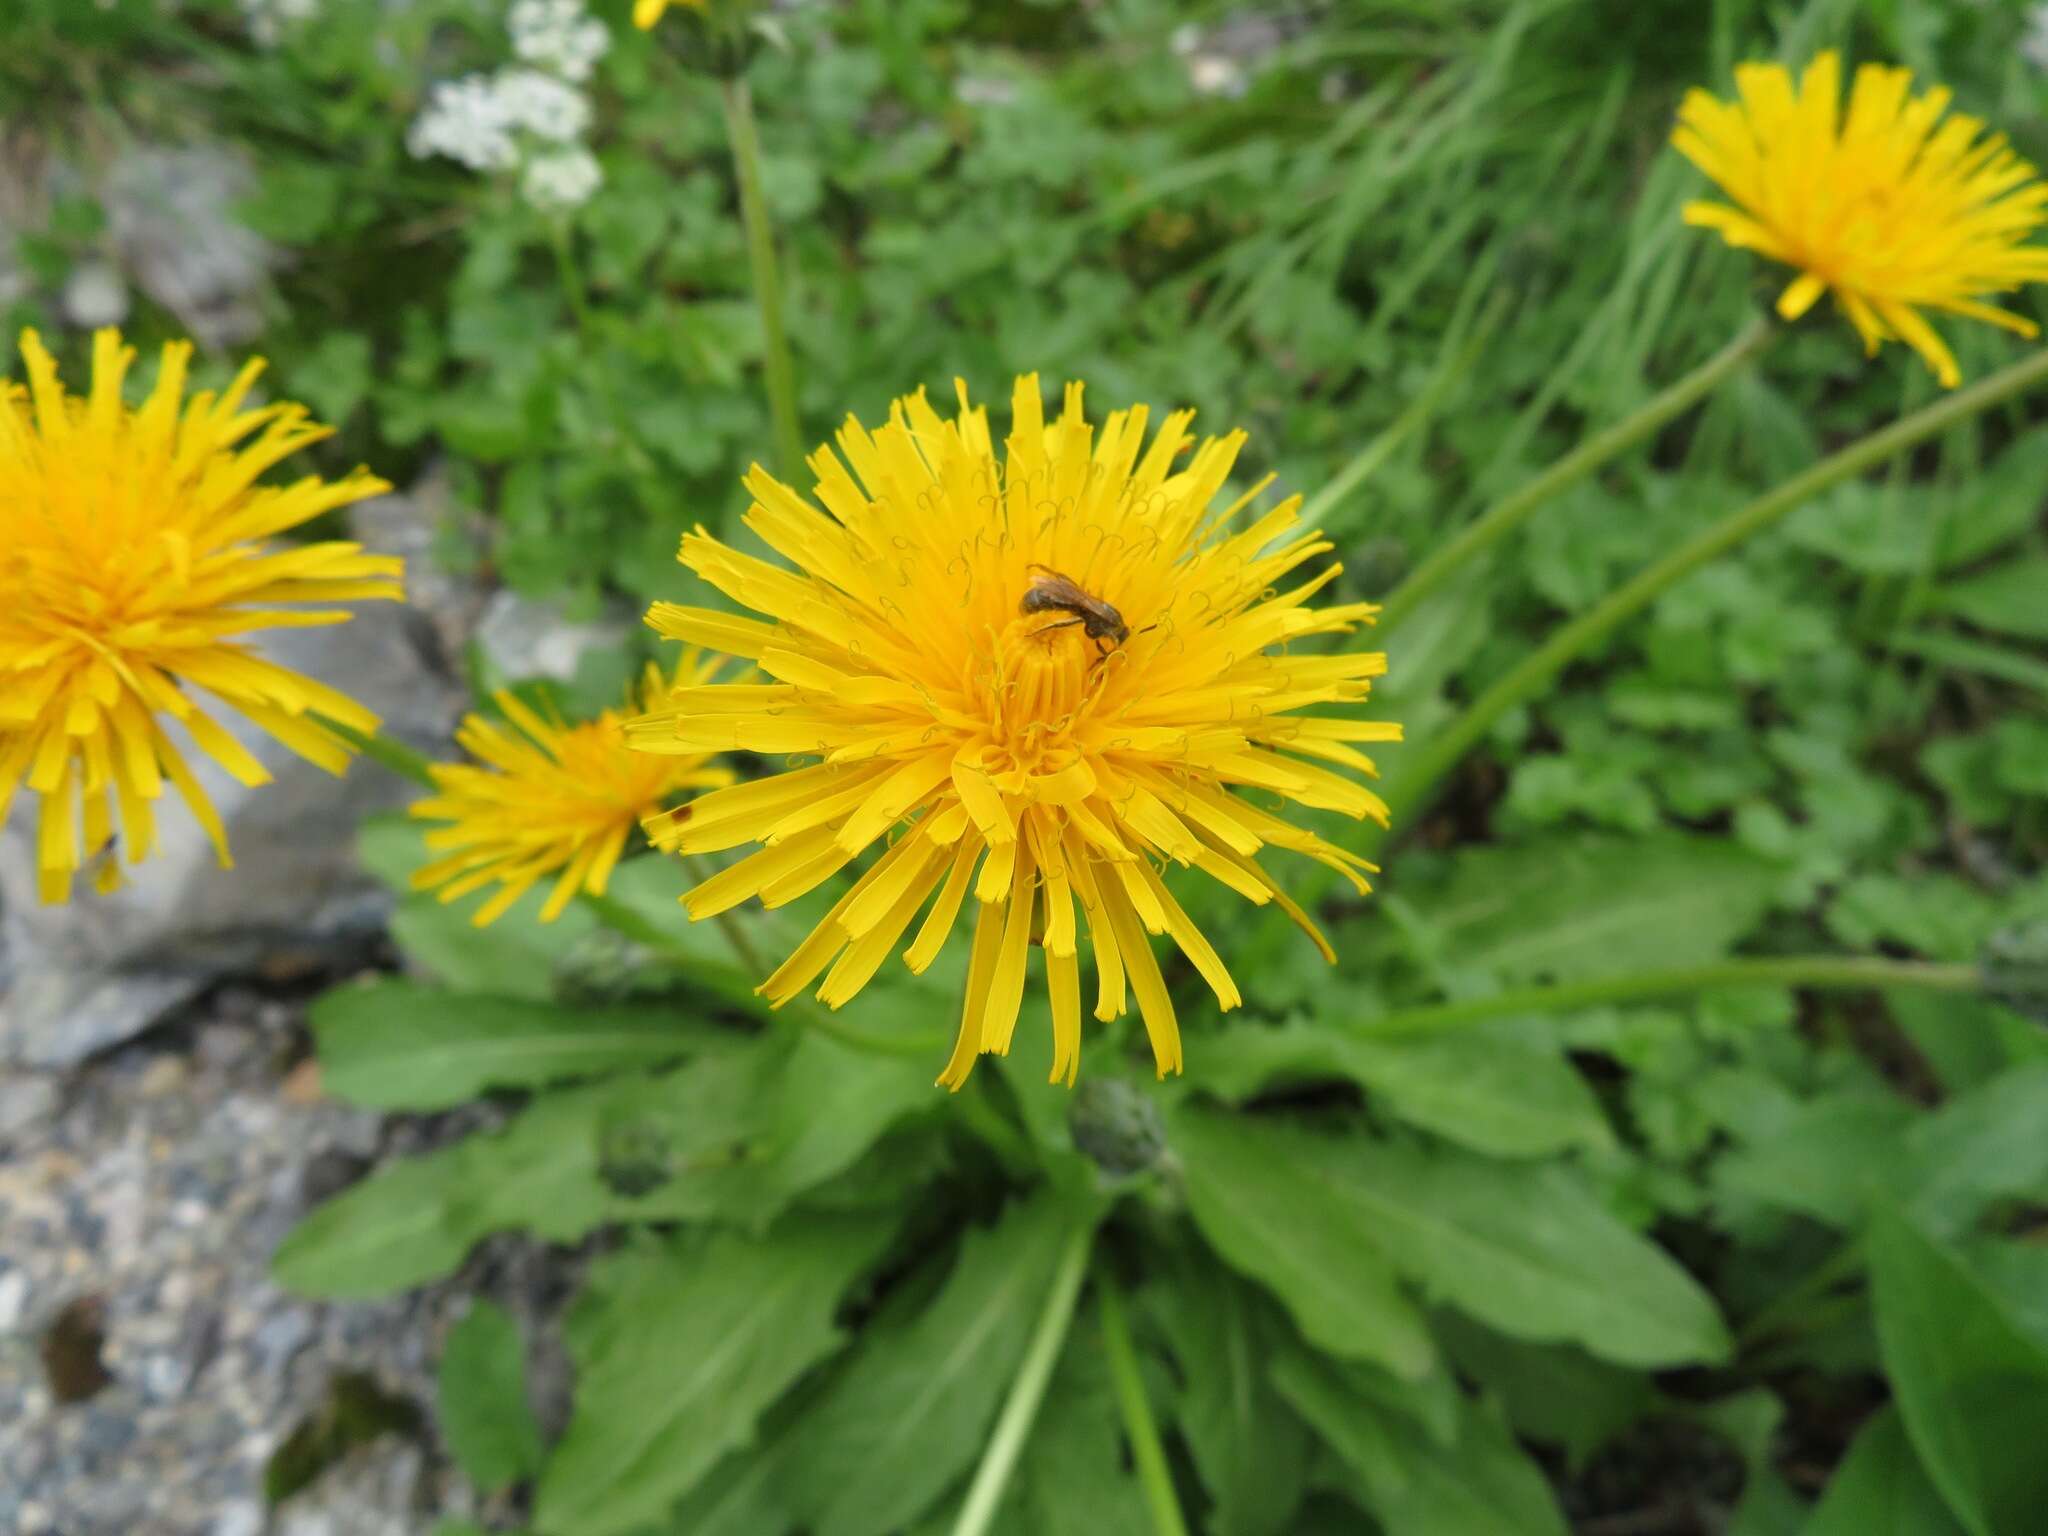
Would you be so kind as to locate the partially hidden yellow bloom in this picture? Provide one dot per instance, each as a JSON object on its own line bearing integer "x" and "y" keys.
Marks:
{"x": 938, "y": 657}
{"x": 1891, "y": 208}
{"x": 647, "y": 12}
{"x": 547, "y": 798}
{"x": 137, "y": 548}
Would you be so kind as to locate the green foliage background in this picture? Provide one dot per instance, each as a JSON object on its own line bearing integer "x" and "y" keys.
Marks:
{"x": 1416, "y": 1285}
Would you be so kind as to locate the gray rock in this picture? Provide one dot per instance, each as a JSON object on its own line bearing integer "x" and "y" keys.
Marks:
{"x": 171, "y": 216}
{"x": 85, "y": 976}
{"x": 26, "y": 1100}
{"x": 213, "y": 1366}
{"x": 522, "y": 638}
{"x": 443, "y": 544}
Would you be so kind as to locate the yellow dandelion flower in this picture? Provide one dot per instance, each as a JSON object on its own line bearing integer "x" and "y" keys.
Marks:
{"x": 1050, "y": 672}
{"x": 1890, "y": 208}
{"x": 544, "y": 796}
{"x": 647, "y": 12}
{"x": 136, "y": 549}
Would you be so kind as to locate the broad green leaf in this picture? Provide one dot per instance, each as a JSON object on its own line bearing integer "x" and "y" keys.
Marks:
{"x": 1552, "y": 1393}
{"x": 1827, "y": 1162}
{"x": 1576, "y": 907}
{"x": 2016, "y": 1272}
{"x": 679, "y": 1347}
{"x": 1251, "y": 1450}
{"x": 1982, "y": 1146}
{"x": 1880, "y": 1489}
{"x": 1492, "y": 1090}
{"x": 517, "y": 956}
{"x": 1525, "y": 1248}
{"x": 2005, "y": 599}
{"x": 1474, "y": 1482}
{"x": 1971, "y": 1384}
{"x": 1270, "y": 1217}
{"x": 399, "y": 1045}
{"x": 736, "y": 1133}
{"x": 910, "y": 1412}
{"x": 485, "y": 1417}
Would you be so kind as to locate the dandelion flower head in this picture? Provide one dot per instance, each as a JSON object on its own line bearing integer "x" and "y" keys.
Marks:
{"x": 544, "y": 798}
{"x": 138, "y": 549}
{"x": 1048, "y": 675}
{"x": 647, "y": 12}
{"x": 1890, "y": 206}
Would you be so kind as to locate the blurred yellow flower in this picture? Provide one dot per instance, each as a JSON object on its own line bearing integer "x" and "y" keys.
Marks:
{"x": 546, "y": 797}
{"x": 1891, "y": 209}
{"x": 1047, "y": 673}
{"x": 136, "y": 549}
{"x": 647, "y": 12}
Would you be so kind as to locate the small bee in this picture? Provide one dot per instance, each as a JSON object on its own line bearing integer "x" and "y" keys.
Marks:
{"x": 1052, "y": 592}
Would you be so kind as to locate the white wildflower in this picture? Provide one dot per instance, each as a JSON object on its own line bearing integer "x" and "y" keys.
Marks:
{"x": 542, "y": 105}
{"x": 466, "y": 121}
{"x": 557, "y": 35}
{"x": 561, "y": 180}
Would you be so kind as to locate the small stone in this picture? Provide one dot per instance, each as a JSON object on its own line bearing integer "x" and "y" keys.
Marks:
{"x": 302, "y": 1084}
{"x": 222, "y": 1045}
{"x": 13, "y": 1299}
{"x": 165, "y": 1076}
{"x": 280, "y": 1339}
{"x": 240, "y": 1517}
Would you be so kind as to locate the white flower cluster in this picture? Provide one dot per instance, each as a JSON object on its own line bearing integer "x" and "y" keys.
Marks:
{"x": 556, "y": 35}
{"x": 269, "y": 20}
{"x": 530, "y": 116}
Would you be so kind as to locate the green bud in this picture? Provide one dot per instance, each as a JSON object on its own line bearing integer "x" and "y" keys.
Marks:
{"x": 1116, "y": 1125}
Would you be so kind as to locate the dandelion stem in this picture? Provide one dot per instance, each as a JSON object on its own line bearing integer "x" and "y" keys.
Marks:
{"x": 1147, "y": 1453}
{"x": 1513, "y": 509}
{"x": 386, "y": 751}
{"x": 1833, "y": 973}
{"x": 1027, "y": 1390}
{"x": 1419, "y": 777}
{"x": 781, "y": 375}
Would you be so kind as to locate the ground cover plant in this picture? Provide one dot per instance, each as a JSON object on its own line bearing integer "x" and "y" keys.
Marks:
{"x": 1657, "y": 1147}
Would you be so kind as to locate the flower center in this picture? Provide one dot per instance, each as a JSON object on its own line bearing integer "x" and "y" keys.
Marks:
{"x": 1044, "y": 678}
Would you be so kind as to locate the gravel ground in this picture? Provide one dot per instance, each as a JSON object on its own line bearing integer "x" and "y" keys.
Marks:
{"x": 140, "y": 1198}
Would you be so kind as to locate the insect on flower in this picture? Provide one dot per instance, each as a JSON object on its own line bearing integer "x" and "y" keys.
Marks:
{"x": 1052, "y": 592}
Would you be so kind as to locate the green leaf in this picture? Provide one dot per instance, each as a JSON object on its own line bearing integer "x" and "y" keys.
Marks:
{"x": 1967, "y": 655}
{"x": 912, "y": 1409}
{"x": 679, "y": 1346}
{"x": 1249, "y": 1447}
{"x": 1269, "y": 1217}
{"x": 1552, "y": 1393}
{"x": 1880, "y": 1489}
{"x": 1524, "y": 1248}
{"x": 1998, "y": 504}
{"x": 2006, "y": 599}
{"x": 737, "y": 1133}
{"x": 399, "y": 1045}
{"x": 1972, "y": 1386}
{"x": 1578, "y": 907}
{"x": 1473, "y": 1482}
{"x": 1980, "y": 1147}
{"x": 517, "y": 956}
{"x": 485, "y": 1417}
{"x": 1826, "y": 1162}
{"x": 1490, "y": 1089}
